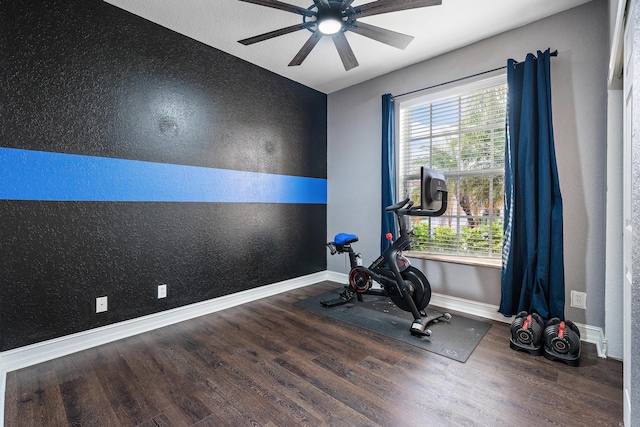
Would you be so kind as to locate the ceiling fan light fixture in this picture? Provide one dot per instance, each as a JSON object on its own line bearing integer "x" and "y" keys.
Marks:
{"x": 329, "y": 20}
{"x": 329, "y": 25}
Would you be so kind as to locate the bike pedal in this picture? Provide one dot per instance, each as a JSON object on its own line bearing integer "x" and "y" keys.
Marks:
{"x": 335, "y": 302}
{"x": 419, "y": 329}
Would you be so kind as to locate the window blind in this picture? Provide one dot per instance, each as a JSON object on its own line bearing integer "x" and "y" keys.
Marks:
{"x": 462, "y": 133}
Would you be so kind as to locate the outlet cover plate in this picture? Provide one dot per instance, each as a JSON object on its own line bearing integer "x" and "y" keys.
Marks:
{"x": 101, "y": 304}
{"x": 579, "y": 299}
{"x": 162, "y": 291}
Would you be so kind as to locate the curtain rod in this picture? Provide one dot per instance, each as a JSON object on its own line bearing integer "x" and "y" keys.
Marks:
{"x": 554, "y": 53}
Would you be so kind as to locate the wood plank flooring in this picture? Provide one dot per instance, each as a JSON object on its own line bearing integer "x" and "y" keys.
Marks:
{"x": 269, "y": 363}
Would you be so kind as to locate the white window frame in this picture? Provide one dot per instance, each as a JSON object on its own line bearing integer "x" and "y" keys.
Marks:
{"x": 434, "y": 95}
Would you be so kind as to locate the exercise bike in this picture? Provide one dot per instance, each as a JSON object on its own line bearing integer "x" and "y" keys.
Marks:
{"x": 404, "y": 284}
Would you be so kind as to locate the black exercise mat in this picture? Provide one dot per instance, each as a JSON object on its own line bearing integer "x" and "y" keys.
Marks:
{"x": 455, "y": 339}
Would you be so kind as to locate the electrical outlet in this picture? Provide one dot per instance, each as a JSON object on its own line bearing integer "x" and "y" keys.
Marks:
{"x": 101, "y": 304}
{"x": 579, "y": 299}
{"x": 162, "y": 291}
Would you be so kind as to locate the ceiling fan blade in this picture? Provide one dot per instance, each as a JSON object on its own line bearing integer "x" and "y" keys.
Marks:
{"x": 282, "y": 6}
{"x": 382, "y": 35}
{"x": 276, "y": 33}
{"x": 386, "y": 6}
{"x": 306, "y": 49}
{"x": 344, "y": 50}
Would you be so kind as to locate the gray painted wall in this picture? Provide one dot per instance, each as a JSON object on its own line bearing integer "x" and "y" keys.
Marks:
{"x": 634, "y": 363}
{"x": 613, "y": 10}
{"x": 579, "y": 77}
{"x": 614, "y": 294}
{"x": 614, "y": 291}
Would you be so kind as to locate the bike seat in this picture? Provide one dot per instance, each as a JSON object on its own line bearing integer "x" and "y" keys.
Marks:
{"x": 344, "y": 238}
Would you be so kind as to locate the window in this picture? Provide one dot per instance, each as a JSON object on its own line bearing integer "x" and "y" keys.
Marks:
{"x": 460, "y": 131}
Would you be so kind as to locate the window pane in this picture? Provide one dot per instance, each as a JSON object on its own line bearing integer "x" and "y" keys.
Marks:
{"x": 463, "y": 136}
{"x": 444, "y": 155}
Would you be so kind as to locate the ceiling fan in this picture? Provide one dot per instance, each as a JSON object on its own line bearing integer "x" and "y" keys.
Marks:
{"x": 335, "y": 17}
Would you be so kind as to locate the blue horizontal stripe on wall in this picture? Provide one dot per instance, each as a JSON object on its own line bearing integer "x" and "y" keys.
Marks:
{"x": 39, "y": 175}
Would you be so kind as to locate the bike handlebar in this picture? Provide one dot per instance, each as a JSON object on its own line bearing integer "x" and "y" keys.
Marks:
{"x": 398, "y": 205}
{"x": 409, "y": 210}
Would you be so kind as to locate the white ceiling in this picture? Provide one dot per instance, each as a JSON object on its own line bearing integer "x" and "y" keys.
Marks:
{"x": 437, "y": 29}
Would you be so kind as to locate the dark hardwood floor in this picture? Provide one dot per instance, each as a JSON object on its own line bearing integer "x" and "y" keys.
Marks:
{"x": 269, "y": 363}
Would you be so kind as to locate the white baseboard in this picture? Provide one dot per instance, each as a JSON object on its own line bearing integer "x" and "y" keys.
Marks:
{"x": 40, "y": 352}
{"x": 590, "y": 334}
{"x": 334, "y": 276}
{"x": 594, "y": 335}
{"x": 475, "y": 308}
{"x": 48, "y": 350}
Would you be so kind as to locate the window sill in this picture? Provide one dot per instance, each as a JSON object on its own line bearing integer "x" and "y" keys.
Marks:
{"x": 476, "y": 261}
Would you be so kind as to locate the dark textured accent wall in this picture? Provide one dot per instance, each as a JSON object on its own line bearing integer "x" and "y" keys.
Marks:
{"x": 84, "y": 77}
